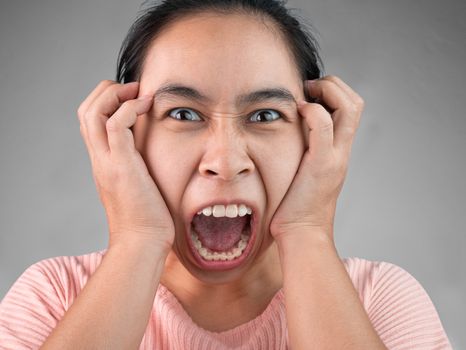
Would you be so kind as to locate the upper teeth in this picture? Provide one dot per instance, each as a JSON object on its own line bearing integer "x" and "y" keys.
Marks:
{"x": 231, "y": 210}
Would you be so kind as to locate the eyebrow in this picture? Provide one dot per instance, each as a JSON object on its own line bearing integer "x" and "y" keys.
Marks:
{"x": 279, "y": 94}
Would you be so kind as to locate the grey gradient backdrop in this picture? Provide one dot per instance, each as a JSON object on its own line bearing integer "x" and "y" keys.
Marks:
{"x": 404, "y": 196}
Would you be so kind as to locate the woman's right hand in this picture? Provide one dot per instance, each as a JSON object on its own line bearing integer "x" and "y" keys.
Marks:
{"x": 134, "y": 207}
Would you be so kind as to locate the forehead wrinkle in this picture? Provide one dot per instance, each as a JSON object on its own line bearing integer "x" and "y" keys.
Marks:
{"x": 278, "y": 94}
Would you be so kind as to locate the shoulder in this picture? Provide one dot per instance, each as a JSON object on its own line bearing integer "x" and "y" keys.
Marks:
{"x": 398, "y": 306}
{"x": 60, "y": 276}
{"x": 367, "y": 275}
{"x": 66, "y": 275}
{"x": 67, "y": 271}
{"x": 61, "y": 273}
{"x": 41, "y": 295}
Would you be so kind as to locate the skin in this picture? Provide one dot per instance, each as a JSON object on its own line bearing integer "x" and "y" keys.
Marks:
{"x": 227, "y": 56}
{"x": 151, "y": 171}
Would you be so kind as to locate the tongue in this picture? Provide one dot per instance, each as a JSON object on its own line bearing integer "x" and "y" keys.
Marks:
{"x": 219, "y": 234}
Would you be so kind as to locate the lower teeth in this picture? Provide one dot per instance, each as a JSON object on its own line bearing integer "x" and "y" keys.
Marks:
{"x": 210, "y": 255}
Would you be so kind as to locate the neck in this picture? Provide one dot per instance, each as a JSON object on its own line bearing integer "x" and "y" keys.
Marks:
{"x": 242, "y": 299}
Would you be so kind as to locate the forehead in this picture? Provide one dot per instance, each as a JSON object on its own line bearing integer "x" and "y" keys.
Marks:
{"x": 224, "y": 55}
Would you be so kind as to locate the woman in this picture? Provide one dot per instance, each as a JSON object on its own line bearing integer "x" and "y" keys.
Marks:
{"x": 219, "y": 153}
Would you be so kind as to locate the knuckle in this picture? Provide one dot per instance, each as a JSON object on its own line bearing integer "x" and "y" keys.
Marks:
{"x": 356, "y": 122}
{"x": 326, "y": 89}
{"x": 354, "y": 108}
{"x": 112, "y": 125}
{"x": 360, "y": 103}
{"x": 82, "y": 130}
{"x": 325, "y": 125}
{"x": 108, "y": 90}
{"x": 91, "y": 112}
{"x": 325, "y": 82}
{"x": 323, "y": 120}
{"x": 317, "y": 108}
{"x": 113, "y": 89}
{"x": 110, "y": 96}
{"x": 105, "y": 83}
{"x": 129, "y": 104}
{"x": 314, "y": 108}
{"x": 127, "y": 108}
{"x": 80, "y": 111}
{"x": 349, "y": 130}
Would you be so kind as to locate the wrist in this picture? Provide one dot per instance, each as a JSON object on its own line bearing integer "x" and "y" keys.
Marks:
{"x": 291, "y": 232}
{"x": 304, "y": 239}
{"x": 136, "y": 243}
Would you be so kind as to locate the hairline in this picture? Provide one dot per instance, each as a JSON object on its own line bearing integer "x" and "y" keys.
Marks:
{"x": 269, "y": 23}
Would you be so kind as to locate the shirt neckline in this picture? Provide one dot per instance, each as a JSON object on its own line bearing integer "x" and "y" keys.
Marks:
{"x": 270, "y": 313}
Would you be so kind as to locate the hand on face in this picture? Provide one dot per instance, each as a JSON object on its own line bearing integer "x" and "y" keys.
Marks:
{"x": 310, "y": 201}
{"x": 134, "y": 206}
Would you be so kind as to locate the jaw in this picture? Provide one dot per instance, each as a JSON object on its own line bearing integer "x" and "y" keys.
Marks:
{"x": 262, "y": 267}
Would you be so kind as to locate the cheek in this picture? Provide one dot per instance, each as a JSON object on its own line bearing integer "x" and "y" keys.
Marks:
{"x": 172, "y": 157}
{"x": 278, "y": 161}
{"x": 167, "y": 160}
{"x": 282, "y": 166}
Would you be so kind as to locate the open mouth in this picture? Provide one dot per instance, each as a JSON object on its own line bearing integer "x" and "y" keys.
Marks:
{"x": 221, "y": 242}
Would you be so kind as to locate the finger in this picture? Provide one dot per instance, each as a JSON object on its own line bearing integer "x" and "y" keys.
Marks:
{"x": 329, "y": 93}
{"x": 91, "y": 97}
{"x": 357, "y": 100}
{"x": 321, "y": 129}
{"x": 120, "y": 137}
{"x": 346, "y": 112}
{"x": 85, "y": 105}
{"x": 101, "y": 109}
{"x": 353, "y": 95}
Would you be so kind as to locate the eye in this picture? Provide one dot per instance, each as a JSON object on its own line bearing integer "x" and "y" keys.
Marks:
{"x": 181, "y": 113}
{"x": 267, "y": 115}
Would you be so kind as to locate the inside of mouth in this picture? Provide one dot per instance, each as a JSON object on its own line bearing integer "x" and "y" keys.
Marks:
{"x": 220, "y": 234}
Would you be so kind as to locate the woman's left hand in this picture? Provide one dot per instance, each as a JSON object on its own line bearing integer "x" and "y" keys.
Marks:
{"x": 310, "y": 202}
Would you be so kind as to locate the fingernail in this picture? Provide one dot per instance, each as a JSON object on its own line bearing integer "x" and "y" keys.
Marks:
{"x": 301, "y": 103}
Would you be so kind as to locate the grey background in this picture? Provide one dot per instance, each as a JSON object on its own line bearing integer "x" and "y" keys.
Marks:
{"x": 404, "y": 195}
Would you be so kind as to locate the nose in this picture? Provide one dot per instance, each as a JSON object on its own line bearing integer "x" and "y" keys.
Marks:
{"x": 226, "y": 154}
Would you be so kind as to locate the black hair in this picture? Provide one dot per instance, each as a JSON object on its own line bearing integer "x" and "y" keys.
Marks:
{"x": 159, "y": 14}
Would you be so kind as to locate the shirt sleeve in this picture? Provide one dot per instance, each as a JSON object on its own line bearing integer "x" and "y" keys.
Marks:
{"x": 402, "y": 312}
{"x": 32, "y": 307}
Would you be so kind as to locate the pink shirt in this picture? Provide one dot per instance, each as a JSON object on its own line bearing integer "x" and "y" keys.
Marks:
{"x": 398, "y": 306}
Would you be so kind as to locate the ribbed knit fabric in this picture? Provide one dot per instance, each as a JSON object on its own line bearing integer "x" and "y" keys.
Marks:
{"x": 397, "y": 305}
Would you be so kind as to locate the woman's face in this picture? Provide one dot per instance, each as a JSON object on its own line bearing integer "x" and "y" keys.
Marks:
{"x": 223, "y": 147}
